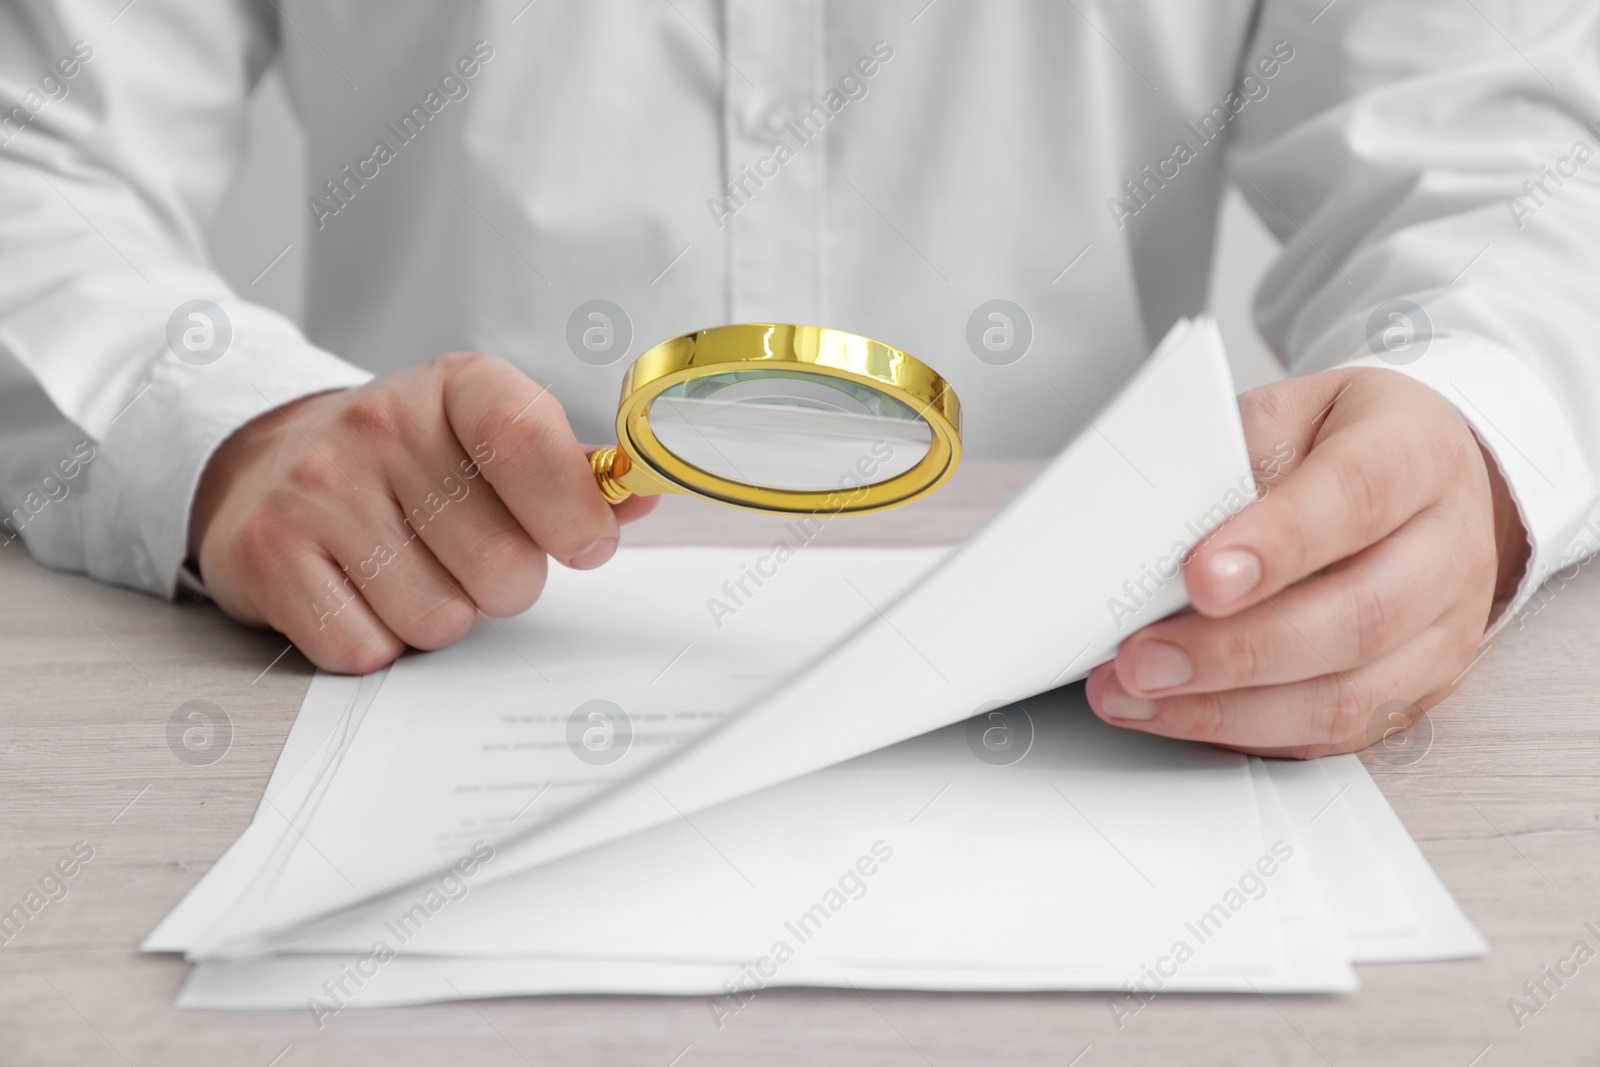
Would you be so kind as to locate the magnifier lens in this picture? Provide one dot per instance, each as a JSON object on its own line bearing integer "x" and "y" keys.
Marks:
{"x": 781, "y": 429}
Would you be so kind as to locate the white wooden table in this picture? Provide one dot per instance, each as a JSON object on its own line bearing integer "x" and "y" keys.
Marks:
{"x": 1506, "y": 804}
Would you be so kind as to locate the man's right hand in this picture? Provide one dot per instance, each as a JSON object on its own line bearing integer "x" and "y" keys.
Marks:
{"x": 362, "y": 521}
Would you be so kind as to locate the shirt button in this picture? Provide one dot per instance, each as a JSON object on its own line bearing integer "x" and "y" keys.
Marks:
{"x": 763, "y": 119}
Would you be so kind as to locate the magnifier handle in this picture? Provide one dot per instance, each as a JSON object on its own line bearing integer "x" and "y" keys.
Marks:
{"x": 609, "y": 465}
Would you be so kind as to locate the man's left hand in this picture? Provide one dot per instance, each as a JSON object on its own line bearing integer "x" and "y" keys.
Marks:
{"x": 1365, "y": 574}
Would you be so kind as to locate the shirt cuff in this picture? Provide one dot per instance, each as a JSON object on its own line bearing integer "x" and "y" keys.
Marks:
{"x": 1526, "y": 430}
{"x": 158, "y": 447}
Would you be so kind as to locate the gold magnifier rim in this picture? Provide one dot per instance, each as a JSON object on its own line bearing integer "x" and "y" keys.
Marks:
{"x": 819, "y": 350}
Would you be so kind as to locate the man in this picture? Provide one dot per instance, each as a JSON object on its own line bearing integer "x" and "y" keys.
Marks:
{"x": 508, "y": 177}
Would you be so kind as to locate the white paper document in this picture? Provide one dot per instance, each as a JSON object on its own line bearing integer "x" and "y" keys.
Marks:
{"x": 697, "y": 769}
{"x": 1313, "y": 948}
{"x": 916, "y": 866}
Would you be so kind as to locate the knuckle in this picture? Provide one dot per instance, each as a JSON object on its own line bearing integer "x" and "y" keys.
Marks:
{"x": 1242, "y": 656}
{"x": 374, "y": 415}
{"x": 1373, "y": 619}
{"x": 505, "y": 571}
{"x": 350, "y": 643}
{"x": 516, "y": 421}
{"x": 312, "y": 474}
{"x": 261, "y": 542}
{"x": 518, "y": 427}
{"x": 1365, "y": 492}
{"x": 361, "y": 655}
{"x": 1205, "y": 714}
{"x": 1286, "y": 532}
{"x": 443, "y": 623}
{"x": 500, "y": 555}
{"x": 1263, "y": 406}
{"x": 1339, "y": 712}
{"x": 514, "y": 597}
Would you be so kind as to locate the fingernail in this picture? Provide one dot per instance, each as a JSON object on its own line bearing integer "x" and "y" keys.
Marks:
{"x": 595, "y": 554}
{"x": 1161, "y": 665}
{"x": 1236, "y": 571}
{"x": 1120, "y": 705}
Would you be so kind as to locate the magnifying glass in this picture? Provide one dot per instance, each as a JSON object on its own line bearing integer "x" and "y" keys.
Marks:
{"x": 781, "y": 418}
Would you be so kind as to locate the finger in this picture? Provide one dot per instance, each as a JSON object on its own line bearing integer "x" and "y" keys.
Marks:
{"x": 305, "y": 599}
{"x": 398, "y": 576}
{"x": 1316, "y": 717}
{"x": 1362, "y": 609}
{"x": 453, "y": 509}
{"x": 518, "y": 434}
{"x": 1281, "y": 422}
{"x": 1345, "y": 495}
{"x": 634, "y": 508}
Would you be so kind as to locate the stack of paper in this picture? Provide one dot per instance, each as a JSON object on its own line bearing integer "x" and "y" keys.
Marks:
{"x": 712, "y": 770}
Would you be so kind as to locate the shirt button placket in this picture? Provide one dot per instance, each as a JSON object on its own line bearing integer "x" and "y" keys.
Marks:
{"x": 775, "y": 232}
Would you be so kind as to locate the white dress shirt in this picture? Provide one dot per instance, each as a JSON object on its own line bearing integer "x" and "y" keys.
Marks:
{"x": 483, "y": 170}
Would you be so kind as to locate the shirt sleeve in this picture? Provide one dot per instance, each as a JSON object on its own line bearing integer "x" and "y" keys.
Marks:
{"x": 1433, "y": 169}
{"x": 124, "y": 358}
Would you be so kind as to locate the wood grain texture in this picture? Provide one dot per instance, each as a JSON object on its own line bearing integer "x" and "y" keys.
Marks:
{"x": 1506, "y": 804}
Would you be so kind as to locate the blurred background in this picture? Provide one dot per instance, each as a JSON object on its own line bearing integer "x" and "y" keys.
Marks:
{"x": 258, "y": 239}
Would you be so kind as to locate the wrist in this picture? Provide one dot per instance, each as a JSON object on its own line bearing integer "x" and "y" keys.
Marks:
{"x": 1511, "y": 542}
{"x": 242, "y": 451}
